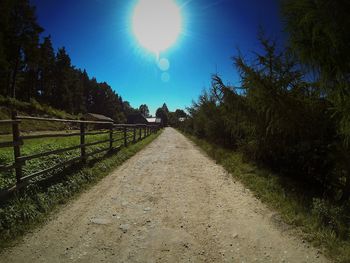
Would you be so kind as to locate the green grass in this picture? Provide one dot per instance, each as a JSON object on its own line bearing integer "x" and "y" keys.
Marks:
{"x": 30, "y": 126}
{"x": 32, "y": 108}
{"x": 31, "y": 207}
{"x": 321, "y": 223}
{"x": 35, "y": 146}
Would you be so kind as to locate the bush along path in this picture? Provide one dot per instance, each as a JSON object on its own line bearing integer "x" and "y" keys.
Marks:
{"x": 32, "y": 206}
{"x": 168, "y": 203}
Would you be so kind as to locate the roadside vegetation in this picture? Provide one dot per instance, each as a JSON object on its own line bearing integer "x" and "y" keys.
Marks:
{"x": 35, "y": 146}
{"x": 32, "y": 108}
{"x": 291, "y": 117}
{"x": 33, "y": 205}
{"x": 297, "y": 206}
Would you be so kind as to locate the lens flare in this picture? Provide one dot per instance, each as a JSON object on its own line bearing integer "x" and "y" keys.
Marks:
{"x": 164, "y": 64}
{"x": 156, "y": 24}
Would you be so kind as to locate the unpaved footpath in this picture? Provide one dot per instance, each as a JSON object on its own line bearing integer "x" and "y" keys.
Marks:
{"x": 168, "y": 203}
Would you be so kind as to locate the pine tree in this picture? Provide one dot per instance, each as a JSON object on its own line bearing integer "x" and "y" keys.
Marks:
{"x": 46, "y": 74}
{"x": 62, "y": 94}
{"x": 20, "y": 37}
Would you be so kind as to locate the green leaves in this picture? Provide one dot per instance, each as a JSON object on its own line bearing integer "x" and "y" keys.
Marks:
{"x": 319, "y": 37}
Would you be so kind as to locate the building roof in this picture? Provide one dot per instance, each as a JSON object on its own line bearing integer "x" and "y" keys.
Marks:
{"x": 99, "y": 117}
{"x": 154, "y": 120}
{"x": 136, "y": 118}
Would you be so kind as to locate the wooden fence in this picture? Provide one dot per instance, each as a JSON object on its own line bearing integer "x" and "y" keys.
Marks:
{"x": 130, "y": 133}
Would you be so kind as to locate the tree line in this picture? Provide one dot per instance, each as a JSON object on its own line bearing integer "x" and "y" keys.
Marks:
{"x": 170, "y": 118}
{"x": 292, "y": 111}
{"x": 167, "y": 117}
{"x": 30, "y": 69}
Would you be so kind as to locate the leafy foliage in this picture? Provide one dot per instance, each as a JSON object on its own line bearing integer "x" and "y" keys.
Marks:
{"x": 143, "y": 109}
{"x": 319, "y": 37}
{"x": 292, "y": 115}
{"x": 163, "y": 114}
{"x": 277, "y": 119}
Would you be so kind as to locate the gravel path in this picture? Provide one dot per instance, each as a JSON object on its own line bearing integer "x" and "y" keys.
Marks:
{"x": 168, "y": 203}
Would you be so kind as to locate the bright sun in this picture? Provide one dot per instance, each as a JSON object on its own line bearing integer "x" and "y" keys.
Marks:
{"x": 156, "y": 24}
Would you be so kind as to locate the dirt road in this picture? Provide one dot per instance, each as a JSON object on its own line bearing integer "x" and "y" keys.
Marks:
{"x": 169, "y": 203}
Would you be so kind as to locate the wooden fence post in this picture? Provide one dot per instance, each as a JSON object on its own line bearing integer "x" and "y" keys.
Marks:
{"x": 145, "y": 132}
{"x": 16, "y": 147}
{"x": 82, "y": 142}
{"x": 140, "y": 131}
{"x": 111, "y": 137}
{"x": 125, "y": 138}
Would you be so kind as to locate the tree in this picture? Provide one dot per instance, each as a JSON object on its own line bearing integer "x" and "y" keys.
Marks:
{"x": 62, "y": 94}
{"x": 144, "y": 110}
{"x": 165, "y": 108}
{"x": 161, "y": 113}
{"x": 46, "y": 74}
{"x": 32, "y": 70}
{"x": 180, "y": 113}
{"x": 77, "y": 92}
{"x": 319, "y": 36}
{"x": 174, "y": 117}
{"x": 127, "y": 109}
{"x": 20, "y": 38}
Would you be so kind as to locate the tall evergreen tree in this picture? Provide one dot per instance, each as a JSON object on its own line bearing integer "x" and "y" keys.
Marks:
{"x": 161, "y": 113}
{"x": 32, "y": 70}
{"x": 165, "y": 108}
{"x": 46, "y": 74}
{"x": 62, "y": 94}
{"x": 319, "y": 36}
{"x": 20, "y": 37}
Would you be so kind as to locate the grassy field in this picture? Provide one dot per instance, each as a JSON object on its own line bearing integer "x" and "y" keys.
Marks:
{"x": 32, "y": 206}
{"x": 35, "y": 146}
{"x": 321, "y": 224}
{"x": 32, "y": 108}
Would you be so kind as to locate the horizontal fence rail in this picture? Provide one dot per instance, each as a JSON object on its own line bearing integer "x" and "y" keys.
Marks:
{"x": 123, "y": 133}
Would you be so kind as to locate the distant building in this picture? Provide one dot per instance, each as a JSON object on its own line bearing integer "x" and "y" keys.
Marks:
{"x": 136, "y": 118}
{"x": 182, "y": 119}
{"x": 96, "y": 117}
{"x": 157, "y": 121}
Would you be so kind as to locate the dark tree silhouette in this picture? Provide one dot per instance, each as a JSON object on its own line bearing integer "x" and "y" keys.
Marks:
{"x": 30, "y": 70}
{"x": 144, "y": 110}
{"x": 161, "y": 113}
{"x": 19, "y": 40}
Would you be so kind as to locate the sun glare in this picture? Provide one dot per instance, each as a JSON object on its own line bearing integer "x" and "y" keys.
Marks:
{"x": 156, "y": 24}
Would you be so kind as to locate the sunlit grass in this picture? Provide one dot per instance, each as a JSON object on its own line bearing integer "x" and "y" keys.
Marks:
{"x": 35, "y": 146}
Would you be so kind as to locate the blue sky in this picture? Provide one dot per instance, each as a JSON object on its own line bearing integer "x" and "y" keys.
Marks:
{"x": 98, "y": 37}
